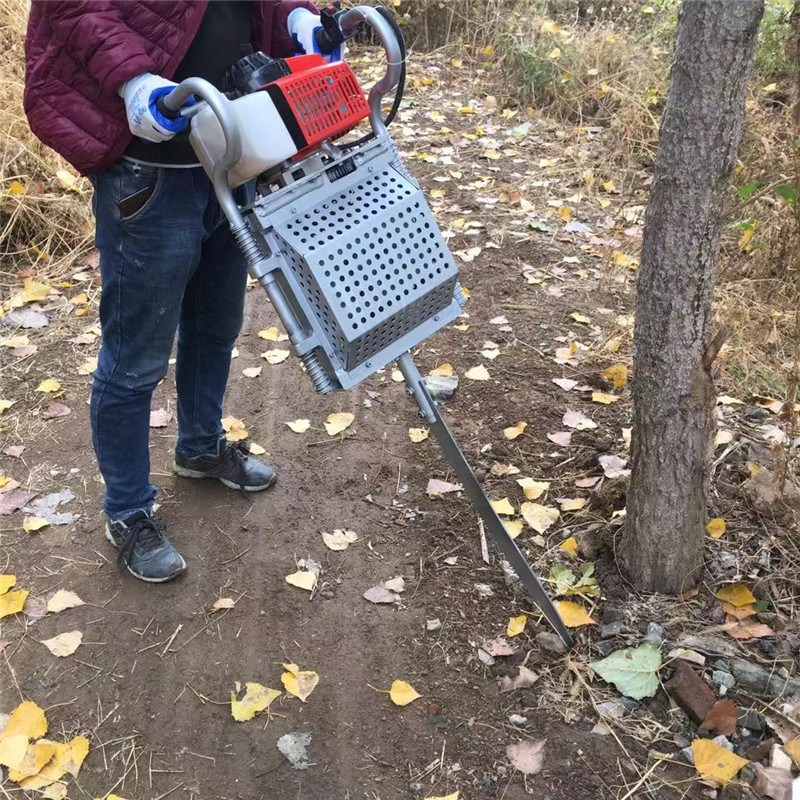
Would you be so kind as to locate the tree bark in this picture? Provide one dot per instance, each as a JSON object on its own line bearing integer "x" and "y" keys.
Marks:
{"x": 674, "y": 397}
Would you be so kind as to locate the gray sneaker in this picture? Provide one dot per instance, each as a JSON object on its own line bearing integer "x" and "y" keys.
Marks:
{"x": 144, "y": 549}
{"x": 232, "y": 465}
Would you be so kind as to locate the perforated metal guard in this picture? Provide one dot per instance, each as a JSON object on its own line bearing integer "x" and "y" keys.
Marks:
{"x": 372, "y": 265}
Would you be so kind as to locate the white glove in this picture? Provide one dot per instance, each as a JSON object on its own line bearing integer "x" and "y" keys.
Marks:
{"x": 144, "y": 119}
{"x": 303, "y": 27}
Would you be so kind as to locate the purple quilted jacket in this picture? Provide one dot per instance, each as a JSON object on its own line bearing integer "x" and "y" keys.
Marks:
{"x": 79, "y": 52}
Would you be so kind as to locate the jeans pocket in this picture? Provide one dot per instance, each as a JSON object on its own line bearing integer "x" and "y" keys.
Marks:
{"x": 139, "y": 187}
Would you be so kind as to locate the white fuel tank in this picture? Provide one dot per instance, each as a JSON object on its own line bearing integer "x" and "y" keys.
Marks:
{"x": 266, "y": 141}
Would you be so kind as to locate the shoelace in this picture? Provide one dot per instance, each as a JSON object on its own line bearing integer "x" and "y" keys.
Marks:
{"x": 146, "y": 535}
{"x": 233, "y": 459}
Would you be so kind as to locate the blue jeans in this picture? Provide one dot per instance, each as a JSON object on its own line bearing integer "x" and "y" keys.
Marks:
{"x": 170, "y": 265}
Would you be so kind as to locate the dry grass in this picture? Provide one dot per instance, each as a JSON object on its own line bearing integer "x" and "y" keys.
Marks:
{"x": 43, "y": 225}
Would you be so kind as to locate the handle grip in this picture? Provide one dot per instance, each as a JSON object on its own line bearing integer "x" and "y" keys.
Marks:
{"x": 165, "y": 110}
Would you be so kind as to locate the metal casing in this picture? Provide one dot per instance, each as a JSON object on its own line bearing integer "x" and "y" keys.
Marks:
{"x": 367, "y": 264}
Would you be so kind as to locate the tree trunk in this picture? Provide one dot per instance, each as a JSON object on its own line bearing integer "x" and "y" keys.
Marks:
{"x": 674, "y": 397}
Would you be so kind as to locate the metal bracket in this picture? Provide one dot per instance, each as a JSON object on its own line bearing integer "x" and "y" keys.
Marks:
{"x": 493, "y": 524}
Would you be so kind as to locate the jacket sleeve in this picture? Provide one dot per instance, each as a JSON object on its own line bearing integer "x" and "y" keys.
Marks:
{"x": 282, "y": 44}
{"x": 94, "y": 34}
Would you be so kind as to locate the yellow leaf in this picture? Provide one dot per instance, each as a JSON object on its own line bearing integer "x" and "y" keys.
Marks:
{"x": 516, "y": 625}
{"x": 623, "y": 259}
{"x": 418, "y": 435}
{"x": 65, "y": 644}
{"x": 548, "y": 26}
{"x": 16, "y": 341}
{"x": 453, "y": 796}
{"x": 715, "y": 762}
{"x": 554, "y": 54}
{"x": 272, "y": 334}
{"x": 257, "y": 698}
{"x": 442, "y": 371}
{"x": 16, "y": 189}
{"x": 793, "y": 749}
{"x": 35, "y": 291}
{"x": 62, "y": 600}
{"x": 513, "y": 526}
{"x": 31, "y": 524}
{"x": 48, "y": 386}
{"x": 515, "y": 431}
{"x": 488, "y": 51}
{"x": 539, "y": 517}
{"x": 532, "y": 489}
{"x": 737, "y": 594}
{"x": 4, "y": 481}
{"x": 13, "y": 749}
{"x": 609, "y": 187}
{"x": 572, "y": 503}
{"x": 235, "y": 430}
{"x": 68, "y": 759}
{"x": 252, "y": 372}
{"x": 339, "y": 422}
{"x": 565, "y": 212}
{"x": 745, "y": 238}
{"x": 28, "y": 720}
{"x": 276, "y": 356}
{"x": 88, "y": 366}
{"x": 255, "y": 449}
{"x": 617, "y": 375}
{"x": 300, "y": 425}
{"x": 7, "y": 582}
{"x": 603, "y": 398}
{"x": 38, "y": 755}
{"x": 67, "y": 179}
{"x": 80, "y": 299}
{"x": 12, "y": 602}
{"x": 299, "y": 683}
{"x": 503, "y": 507}
{"x": 580, "y": 318}
{"x": 403, "y": 693}
{"x": 466, "y": 110}
{"x": 302, "y": 580}
{"x": 438, "y": 194}
{"x": 716, "y": 528}
{"x": 573, "y": 614}
{"x": 570, "y": 546}
{"x": 479, "y": 373}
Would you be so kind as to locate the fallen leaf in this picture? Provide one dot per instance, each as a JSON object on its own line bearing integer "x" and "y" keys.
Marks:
{"x": 68, "y": 759}
{"x": 276, "y": 356}
{"x": 501, "y": 470}
{"x": 403, "y": 693}
{"x": 479, "y": 373}
{"x": 453, "y": 796}
{"x": 442, "y": 371}
{"x": 616, "y": 375}
{"x": 722, "y": 718}
{"x": 516, "y": 625}
{"x": 527, "y": 757}
{"x": 12, "y": 500}
{"x": 793, "y": 749}
{"x": 570, "y": 546}
{"x": 571, "y": 503}
{"x": 604, "y": 399}
{"x": 418, "y": 435}
{"x": 737, "y": 594}
{"x": 380, "y": 595}
{"x": 7, "y": 582}
{"x": 561, "y": 438}
{"x": 88, "y": 367}
{"x": 32, "y": 524}
{"x": 65, "y": 644}
{"x": 27, "y": 720}
{"x": 437, "y": 488}
{"x": 223, "y": 603}
{"x": 160, "y": 418}
{"x": 775, "y": 783}
{"x": 532, "y": 489}
{"x": 35, "y": 291}
{"x": 257, "y": 698}
{"x": 12, "y": 602}
{"x": 715, "y": 762}
{"x": 339, "y": 539}
{"x": 396, "y": 584}
{"x": 302, "y": 579}
{"x": 739, "y": 612}
{"x": 634, "y": 671}
{"x": 272, "y": 334}
{"x": 299, "y": 683}
{"x": 294, "y": 747}
{"x": 38, "y": 754}
{"x": 513, "y": 526}
{"x": 716, "y": 528}
{"x": 255, "y": 449}
{"x": 614, "y": 466}
{"x": 573, "y": 614}
{"x": 235, "y": 430}
{"x": 252, "y": 372}
{"x": 300, "y": 425}
{"x": 5, "y": 405}
{"x": 565, "y": 383}
{"x": 397, "y": 376}
{"x": 580, "y": 318}
{"x": 503, "y": 507}
{"x": 55, "y": 410}
{"x": 338, "y": 423}
{"x": 62, "y": 600}
{"x": 539, "y": 517}
{"x": 748, "y": 629}
{"x": 48, "y": 386}
{"x": 578, "y": 420}
{"x": 524, "y": 680}
{"x": 515, "y": 431}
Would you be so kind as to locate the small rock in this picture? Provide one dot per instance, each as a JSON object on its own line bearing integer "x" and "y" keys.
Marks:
{"x": 433, "y": 624}
{"x": 690, "y": 692}
{"x": 778, "y": 758}
{"x": 616, "y": 708}
{"x": 654, "y": 629}
{"x": 758, "y": 752}
{"x": 688, "y": 755}
{"x": 485, "y": 658}
{"x": 606, "y": 647}
{"x": 724, "y": 679}
{"x": 550, "y": 641}
{"x": 751, "y": 721}
{"x": 681, "y": 740}
{"x": 612, "y": 629}
{"x": 441, "y": 387}
{"x": 755, "y": 678}
{"x": 517, "y": 719}
{"x": 722, "y": 741}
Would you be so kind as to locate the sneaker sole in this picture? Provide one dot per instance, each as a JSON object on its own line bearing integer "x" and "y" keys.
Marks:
{"x": 194, "y": 474}
{"x": 144, "y": 577}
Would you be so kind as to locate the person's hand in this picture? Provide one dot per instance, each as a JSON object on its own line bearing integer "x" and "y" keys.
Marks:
{"x": 303, "y": 27}
{"x": 144, "y": 119}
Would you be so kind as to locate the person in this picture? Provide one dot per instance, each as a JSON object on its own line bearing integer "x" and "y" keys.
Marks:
{"x": 94, "y": 69}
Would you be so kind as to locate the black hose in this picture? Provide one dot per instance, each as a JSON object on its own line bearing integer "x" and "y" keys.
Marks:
{"x": 401, "y": 84}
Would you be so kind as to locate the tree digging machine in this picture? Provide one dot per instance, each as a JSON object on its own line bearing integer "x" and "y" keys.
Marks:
{"x": 339, "y": 235}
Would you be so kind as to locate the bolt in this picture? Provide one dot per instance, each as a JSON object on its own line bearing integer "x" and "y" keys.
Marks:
{"x": 436, "y": 318}
{"x": 293, "y": 209}
{"x": 368, "y": 364}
